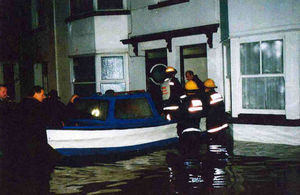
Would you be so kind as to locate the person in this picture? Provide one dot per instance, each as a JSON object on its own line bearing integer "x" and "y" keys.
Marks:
{"x": 190, "y": 119}
{"x": 6, "y": 107}
{"x": 55, "y": 109}
{"x": 171, "y": 87}
{"x": 171, "y": 93}
{"x": 28, "y": 155}
{"x": 191, "y": 76}
{"x": 6, "y": 104}
{"x": 216, "y": 117}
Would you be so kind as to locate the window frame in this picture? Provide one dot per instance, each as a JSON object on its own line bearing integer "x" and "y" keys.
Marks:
{"x": 98, "y": 70}
{"x": 260, "y": 75}
{"x": 81, "y": 82}
{"x": 95, "y": 8}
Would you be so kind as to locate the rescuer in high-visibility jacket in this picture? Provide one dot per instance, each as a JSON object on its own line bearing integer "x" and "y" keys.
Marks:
{"x": 215, "y": 108}
{"x": 171, "y": 92}
{"x": 191, "y": 108}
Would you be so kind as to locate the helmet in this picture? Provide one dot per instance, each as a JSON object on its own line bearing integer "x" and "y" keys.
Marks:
{"x": 209, "y": 83}
{"x": 191, "y": 85}
{"x": 170, "y": 69}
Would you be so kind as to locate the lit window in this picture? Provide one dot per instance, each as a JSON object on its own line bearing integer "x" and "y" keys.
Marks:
{"x": 263, "y": 85}
{"x": 91, "y": 109}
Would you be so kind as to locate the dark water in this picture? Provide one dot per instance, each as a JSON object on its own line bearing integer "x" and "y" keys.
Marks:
{"x": 236, "y": 168}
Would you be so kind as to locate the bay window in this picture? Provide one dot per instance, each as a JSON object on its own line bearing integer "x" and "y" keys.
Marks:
{"x": 262, "y": 75}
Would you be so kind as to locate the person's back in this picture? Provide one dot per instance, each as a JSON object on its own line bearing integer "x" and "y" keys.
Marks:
{"x": 56, "y": 112}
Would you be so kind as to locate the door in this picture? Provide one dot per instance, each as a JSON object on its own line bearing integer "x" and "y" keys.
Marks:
{"x": 155, "y": 76}
{"x": 194, "y": 58}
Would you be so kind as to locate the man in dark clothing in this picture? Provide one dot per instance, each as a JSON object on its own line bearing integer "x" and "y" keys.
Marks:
{"x": 55, "y": 109}
{"x": 6, "y": 107}
{"x": 191, "y": 76}
{"x": 28, "y": 156}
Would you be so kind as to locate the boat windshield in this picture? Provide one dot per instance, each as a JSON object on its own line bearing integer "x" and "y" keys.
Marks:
{"x": 137, "y": 108}
{"x": 92, "y": 109}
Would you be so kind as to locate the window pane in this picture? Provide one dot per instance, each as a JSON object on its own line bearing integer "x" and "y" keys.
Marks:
{"x": 272, "y": 60}
{"x": 92, "y": 109}
{"x": 84, "y": 90}
{"x": 110, "y": 4}
{"x": 81, "y": 6}
{"x": 132, "y": 109}
{"x": 112, "y": 68}
{"x": 275, "y": 93}
{"x": 263, "y": 93}
{"x": 117, "y": 87}
{"x": 84, "y": 69}
{"x": 250, "y": 58}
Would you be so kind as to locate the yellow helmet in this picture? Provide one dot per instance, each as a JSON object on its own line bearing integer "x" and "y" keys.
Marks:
{"x": 170, "y": 69}
{"x": 209, "y": 83}
{"x": 191, "y": 85}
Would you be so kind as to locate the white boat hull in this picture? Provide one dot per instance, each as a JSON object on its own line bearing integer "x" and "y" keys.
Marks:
{"x": 88, "y": 142}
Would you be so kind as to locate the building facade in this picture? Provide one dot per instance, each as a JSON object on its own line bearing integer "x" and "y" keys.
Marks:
{"x": 250, "y": 49}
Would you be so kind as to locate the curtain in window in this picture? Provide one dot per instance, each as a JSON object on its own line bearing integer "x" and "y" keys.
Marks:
{"x": 263, "y": 85}
{"x": 263, "y": 93}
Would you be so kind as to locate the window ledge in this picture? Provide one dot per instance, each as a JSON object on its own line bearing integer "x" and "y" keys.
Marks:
{"x": 262, "y": 119}
{"x": 166, "y": 3}
{"x": 97, "y": 13}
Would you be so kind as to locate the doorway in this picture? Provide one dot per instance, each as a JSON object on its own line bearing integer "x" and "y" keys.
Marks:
{"x": 154, "y": 57}
{"x": 156, "y": 62}
{"x": 194, "y": 58}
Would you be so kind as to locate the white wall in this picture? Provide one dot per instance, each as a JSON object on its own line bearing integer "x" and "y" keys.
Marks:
{"x": 82, "y": 36}
{"x": 257, "y": 16}
{"x": 266, "y": 20}
{"x": 109, "y": 30}
{"x": 184, "y": 15}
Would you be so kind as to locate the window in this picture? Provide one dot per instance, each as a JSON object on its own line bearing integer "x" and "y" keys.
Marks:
{"x": 84, "y": 81}
{"x": 81, "y": 6}
{"x": 91, "y": 109}
{"x": 137, "y": 108}
{"x": 40, "y": 75}
{"x": 85, "y": 6}
{"x": 262, "y": 72}
{"x": 112, "y": 73}
{"x": 37, "y": 16}
{"x": 164, "y": 3}
{"x": 110, "y": 4}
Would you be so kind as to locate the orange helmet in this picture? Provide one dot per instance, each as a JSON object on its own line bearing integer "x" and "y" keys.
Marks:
{"x": 209, "y": 83}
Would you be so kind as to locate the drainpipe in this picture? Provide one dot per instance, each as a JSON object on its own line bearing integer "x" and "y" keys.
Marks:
{"x": 55, "y": 48}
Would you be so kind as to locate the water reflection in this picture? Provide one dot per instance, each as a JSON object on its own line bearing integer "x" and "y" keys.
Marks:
{"x": 24, "y": 176}
{"x": 254, "y": 168}
{"x": 202, "y": 172}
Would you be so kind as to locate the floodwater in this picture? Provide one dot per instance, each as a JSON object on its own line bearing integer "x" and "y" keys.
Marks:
{"x": 219, "y": 168}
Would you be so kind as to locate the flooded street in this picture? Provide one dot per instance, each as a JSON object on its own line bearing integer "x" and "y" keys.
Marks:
{"x": 218, "y": 168}
{"x": 247, "y": 168}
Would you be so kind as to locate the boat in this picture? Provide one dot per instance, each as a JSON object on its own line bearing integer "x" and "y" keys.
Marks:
{"x": 113, "y": 123}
